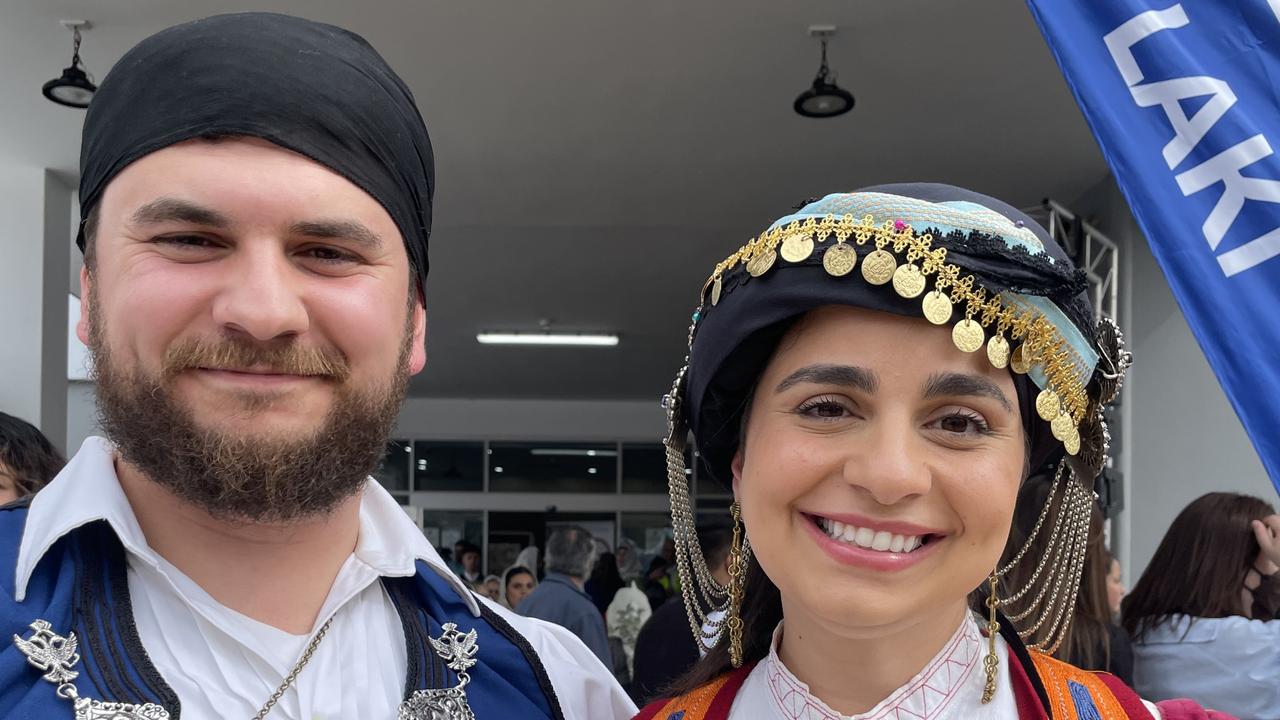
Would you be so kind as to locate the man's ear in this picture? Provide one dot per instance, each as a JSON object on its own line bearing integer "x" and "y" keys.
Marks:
{"x": 418, "y": 352}
{"x": 82, "y": 325}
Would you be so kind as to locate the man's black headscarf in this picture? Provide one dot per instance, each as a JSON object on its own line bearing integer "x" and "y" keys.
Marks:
{"x": 316, "y": 89}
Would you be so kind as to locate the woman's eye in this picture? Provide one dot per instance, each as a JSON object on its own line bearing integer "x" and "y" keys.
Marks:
{"x": 963, "y": 424}
{"x": 824, "y": 409}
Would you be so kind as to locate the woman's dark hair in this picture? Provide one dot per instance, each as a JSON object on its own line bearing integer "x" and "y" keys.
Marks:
{"x": 27, "y": 454}
{"x": 512, "y": 572}
{"x": 1087, "y": 644}
{"x": 1200, "y": 565}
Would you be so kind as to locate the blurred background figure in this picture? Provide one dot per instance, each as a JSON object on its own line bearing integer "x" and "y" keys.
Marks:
{"x": 628, "y": 557}
{"x": 1095, "y": 640}
{"x": 657, "y": 582}
{"x": 605, "y": 581}
{"x": 665, "y": 647}
{"x": 1115, "y": 585}
{"x": 517, "y": 582}
{"x": 469, "y": 559}
{"x": 528, "y": 558}
{"x": 626, "y": 614}
{"x": 28, "y": 461}
{"x": 492, "y": 587}
{"x": 560, "y": 597}
{"x": 1203, "y": 613}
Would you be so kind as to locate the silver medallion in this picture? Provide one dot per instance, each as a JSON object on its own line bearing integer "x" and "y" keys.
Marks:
{"x": 458, "y": 651}
{"x": 55, "y": 655}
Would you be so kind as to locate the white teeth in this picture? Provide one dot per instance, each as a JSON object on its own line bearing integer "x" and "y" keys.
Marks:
{"x": 882, "y": 541}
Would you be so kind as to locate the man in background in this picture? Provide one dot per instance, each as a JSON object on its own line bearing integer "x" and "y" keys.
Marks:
{"x": 560, "y": 597}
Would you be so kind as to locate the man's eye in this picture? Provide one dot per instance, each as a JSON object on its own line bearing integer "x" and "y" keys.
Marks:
{"x": 329, "y": 255}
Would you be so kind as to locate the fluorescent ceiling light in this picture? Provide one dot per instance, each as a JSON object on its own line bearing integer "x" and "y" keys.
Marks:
{"x": 547, "y": 338}
{"x": 572, "y": 452}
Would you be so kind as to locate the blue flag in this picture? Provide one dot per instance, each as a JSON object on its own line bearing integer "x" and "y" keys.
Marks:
{"x": 1184, "y": 98}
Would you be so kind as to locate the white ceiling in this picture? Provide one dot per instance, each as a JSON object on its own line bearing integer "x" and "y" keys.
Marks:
{"x": 595, "y": 158}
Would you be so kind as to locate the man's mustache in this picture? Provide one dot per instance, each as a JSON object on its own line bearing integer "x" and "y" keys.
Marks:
{"x": 286, "y": 358}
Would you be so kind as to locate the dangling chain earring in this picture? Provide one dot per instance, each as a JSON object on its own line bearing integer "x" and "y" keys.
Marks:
{"x": 1061, "y": 566}
{"x": 737, "y": 578}
{"x": 991, "y": 661}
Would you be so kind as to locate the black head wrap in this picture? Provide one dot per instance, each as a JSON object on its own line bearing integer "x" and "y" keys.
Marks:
{"x": 734, "y": 339}
{"x": 316, "y": 89}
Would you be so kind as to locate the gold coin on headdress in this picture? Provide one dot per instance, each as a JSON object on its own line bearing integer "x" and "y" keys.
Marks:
{"x": 1019, "y": 362}
{"x": 937, "y": 307}
{"x": 1072, "y": 441}
{"x": 839, "y": 259}
{"x": 796, "y": 247}
{"x": 1062, "y": 426}
{"x": 761, "y": 263}
{"x": 908, "y": 281}
{"x": 998, "y": 351}
{"x": 716, "y": 288}
{"x": 1047, "y": 404}
{"x": 878, "y": 267}
{"x": 967, "y": 335}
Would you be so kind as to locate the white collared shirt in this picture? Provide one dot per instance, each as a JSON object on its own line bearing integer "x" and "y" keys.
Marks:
{"x": 222, "y": 664}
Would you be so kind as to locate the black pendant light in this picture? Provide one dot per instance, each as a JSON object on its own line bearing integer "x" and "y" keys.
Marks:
{"x": 825, "y": 99}
{"x": 73, "y": 88}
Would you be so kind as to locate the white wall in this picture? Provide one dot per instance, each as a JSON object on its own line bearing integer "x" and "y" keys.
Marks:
{"x": 1183, "y": 439}
{"x": 34, "y": 257}
{"x": 496, "y": 419}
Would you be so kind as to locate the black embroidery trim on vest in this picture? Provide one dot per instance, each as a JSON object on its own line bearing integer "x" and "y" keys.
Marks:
{"x": 413, "y": 640}
{"x": 539, "y": 672}
{"x": 436, "y": 675}
{"x": 107, "y": 551}
{"x": 1010, "y": 635}
{"x": 88, "y": 544}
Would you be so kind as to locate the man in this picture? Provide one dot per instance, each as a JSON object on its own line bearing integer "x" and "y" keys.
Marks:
{"x": 469, "y": 556}
{"x": 665, "y": 648}
{"x": 560, "y": 599}
{"x": 256, "y": 194}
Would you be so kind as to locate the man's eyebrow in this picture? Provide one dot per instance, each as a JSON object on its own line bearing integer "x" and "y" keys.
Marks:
{"x": 958, "y": 384}
{"x": 338, "y": 229}
{"x": 169, "y": 209}
{"x": 844, "y": 375}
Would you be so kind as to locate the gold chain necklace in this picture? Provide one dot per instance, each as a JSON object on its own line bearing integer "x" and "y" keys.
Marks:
{"x": 293, "y": 674}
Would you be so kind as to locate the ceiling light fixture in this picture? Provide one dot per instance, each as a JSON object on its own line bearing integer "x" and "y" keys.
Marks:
{"x": 825, "y": 98}
{"x": 547, "y": 338}
{"x": 73, "y": 88}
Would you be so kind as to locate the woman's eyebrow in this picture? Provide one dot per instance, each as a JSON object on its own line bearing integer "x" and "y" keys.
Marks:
{"x": 844, "y": 375}
{"x": 952, "y": 384}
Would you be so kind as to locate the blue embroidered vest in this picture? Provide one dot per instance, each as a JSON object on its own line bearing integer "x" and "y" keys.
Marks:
{"x": 80, "y": 586}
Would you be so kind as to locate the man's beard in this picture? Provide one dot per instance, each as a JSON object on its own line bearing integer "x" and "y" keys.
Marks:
{"x": 243, "y": 477}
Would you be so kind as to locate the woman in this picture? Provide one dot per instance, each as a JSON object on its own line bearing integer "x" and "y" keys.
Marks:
{"x": 517, "y": 582}
{"x": 875, "y": 459}
{"x": 604, "y": 581}
{"x": 1203, "y": 614}
{"x": 1115, "y": 584}
{"x": 28, "y": 461}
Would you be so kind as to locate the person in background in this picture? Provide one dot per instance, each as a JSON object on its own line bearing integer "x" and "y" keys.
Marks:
{"x": 1115, "y": 585}
{"x": 625, "y": 616}
{"x": 665, "y": 647}
{"x": 517, "y": 582}
{"x": 528, "y": 558}
{"x": 469, "y": 558}
{"x": 28, "y": 461}
{"x": 560, "y": 599}
{"x": 604, "y": 581}
{"x": 1203, "y": 613}
{"x": 492, "y": 587}
{"x": 657, "y": 582}
{"x": 629, "y": 566}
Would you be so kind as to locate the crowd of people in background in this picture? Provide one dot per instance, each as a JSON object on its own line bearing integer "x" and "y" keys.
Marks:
{"x": 1204, "y": 609}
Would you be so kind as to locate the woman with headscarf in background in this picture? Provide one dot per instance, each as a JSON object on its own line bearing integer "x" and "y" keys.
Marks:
{"x": 875, "y": 459}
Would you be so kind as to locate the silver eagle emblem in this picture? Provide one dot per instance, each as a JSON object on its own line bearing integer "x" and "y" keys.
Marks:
{"x": 458, "y": 651}
{"x": 55, "y": 655}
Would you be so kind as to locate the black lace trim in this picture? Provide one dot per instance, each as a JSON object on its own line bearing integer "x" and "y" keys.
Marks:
{"x": 103, "y": 553}
{"x": 417, "y": 640}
